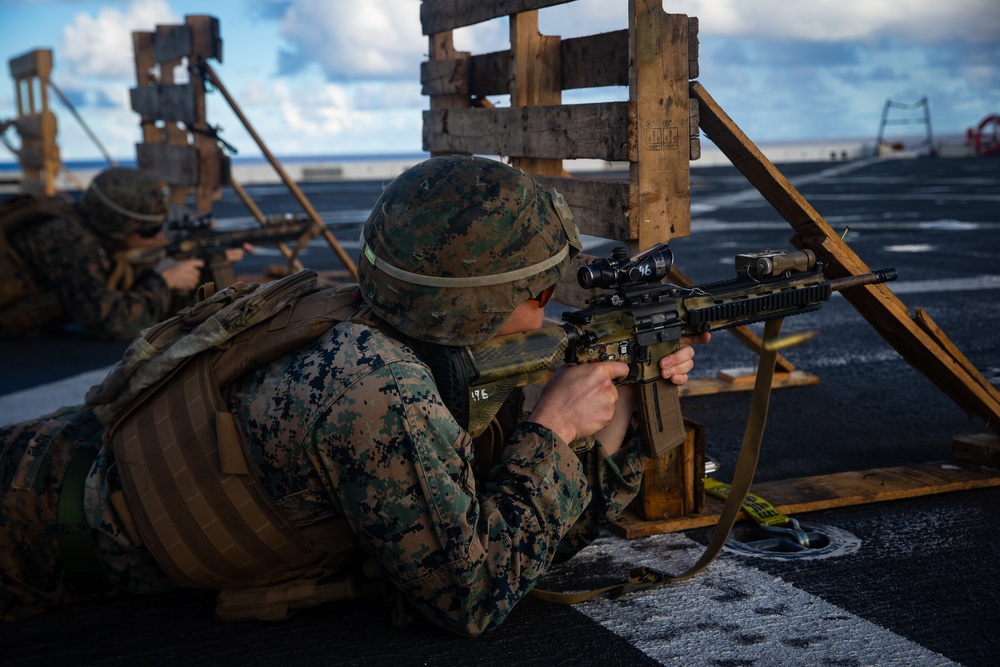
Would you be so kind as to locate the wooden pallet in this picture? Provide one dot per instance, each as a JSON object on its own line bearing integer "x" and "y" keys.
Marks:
{"x": 36, "y": 124}
{"x": 656, "y": 133}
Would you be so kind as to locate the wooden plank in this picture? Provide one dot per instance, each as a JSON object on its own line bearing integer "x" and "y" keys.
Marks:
{"x": 693, "y": 123}
{"x": 810, "y": 494}
{"x": 600, "y": 208}
{"x": 172, "y": 42}
{"x": 37, "y": 126}
{"x": 489, "y": 74}
{"x": 585, "y": 62}
{"x": 170, "y": 103}
{"x": 206, "y": 42}
{"x": 441, "y": 46}
{"x": 31, "y": 156}
{"x": 175, "y": 164}
{"x": 782, "y": 380}
{"x": 534, "y": 81}
{"x": 585, "y": 131}
{"x": 142, "y": 47}
{"x": 33, "y": 63}
{"x": 445, "y": 77}
{"x": 590, "y": 61}
{"x": 441, "y": 15}
{"x": 658, "y": 81}
{"x": 693, "y": 44}
{"x": 595, "y": 60}
{"x": 876, "y": 303}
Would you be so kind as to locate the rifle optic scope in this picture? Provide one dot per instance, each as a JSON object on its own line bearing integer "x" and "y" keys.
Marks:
{"x": 649, "y": 266}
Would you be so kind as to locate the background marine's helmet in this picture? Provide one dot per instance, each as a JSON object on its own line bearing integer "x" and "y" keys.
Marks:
{"x": 456, "y": 243}
{"x": 120, "y": 201}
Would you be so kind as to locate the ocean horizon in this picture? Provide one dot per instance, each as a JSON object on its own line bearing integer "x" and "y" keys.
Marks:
{"x": 249, "y": 169}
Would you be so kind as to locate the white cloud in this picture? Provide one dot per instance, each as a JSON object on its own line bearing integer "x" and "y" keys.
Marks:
{"x": 101, "y": 46}
{"x": 370, "y": 39}
{"x": 919, "y": 21}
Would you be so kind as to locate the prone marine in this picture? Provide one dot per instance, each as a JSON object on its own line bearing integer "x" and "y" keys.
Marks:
{"x": 63, "y": 265}
{"x": 353, "y": 469}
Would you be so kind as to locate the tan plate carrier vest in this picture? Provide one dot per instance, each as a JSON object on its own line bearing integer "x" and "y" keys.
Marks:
{"x": 189, "y": 493}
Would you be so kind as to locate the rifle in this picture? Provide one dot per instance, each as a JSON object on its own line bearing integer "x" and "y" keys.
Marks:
{"x": 196, "y": 237}
{"x": 639, "y": 321}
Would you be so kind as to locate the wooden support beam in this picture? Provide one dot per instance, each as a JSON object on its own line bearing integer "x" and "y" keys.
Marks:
{"x": 660, "y": 163}
{"x": 36, "y": 124}
{"x": 535, "y": 64}
{"x": 673, "y": 485}
{"x": 930, "y": 353}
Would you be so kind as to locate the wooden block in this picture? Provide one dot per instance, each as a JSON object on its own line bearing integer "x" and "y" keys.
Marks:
{"x": 600, "y": 208}
{"x": 733, "y": 375}
{"x": 177, "y": 165}
{"x": 175, "y": 103}
{"x": 982, "y": 448}
{"x": 34, "y": 63}
{"x": 445, "y": 76}
{"x": 673, "y": 484}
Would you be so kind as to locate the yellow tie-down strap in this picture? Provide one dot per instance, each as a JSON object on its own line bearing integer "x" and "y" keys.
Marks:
{"x": 759, "y": 509}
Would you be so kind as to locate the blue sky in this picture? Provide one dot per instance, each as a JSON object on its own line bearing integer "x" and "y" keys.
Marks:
{"x": 320, "y": 77}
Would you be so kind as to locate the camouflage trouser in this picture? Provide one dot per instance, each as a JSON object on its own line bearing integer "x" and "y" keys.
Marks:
{"x": 34, "y": 458}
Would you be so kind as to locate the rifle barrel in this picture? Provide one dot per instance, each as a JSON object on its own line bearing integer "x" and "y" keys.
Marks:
{"x": 873, "y": 278}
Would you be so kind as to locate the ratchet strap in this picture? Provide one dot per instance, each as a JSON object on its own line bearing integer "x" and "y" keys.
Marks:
{"x": 759, "y": 509}
{"x": 642, "y": 578}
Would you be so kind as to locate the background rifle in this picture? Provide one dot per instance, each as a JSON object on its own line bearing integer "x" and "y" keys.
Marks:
{"x": 196, "y": 238}
{"x": 639, "y": 321}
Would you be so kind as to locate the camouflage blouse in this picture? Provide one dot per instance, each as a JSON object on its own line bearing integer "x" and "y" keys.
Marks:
{"x": 353, "y": 426}
{"x": 67, "y": 257}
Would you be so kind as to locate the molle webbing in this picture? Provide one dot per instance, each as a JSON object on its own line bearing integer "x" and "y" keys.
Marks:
{"x": 206, "y": 528}
{"x": 200, "y": 511}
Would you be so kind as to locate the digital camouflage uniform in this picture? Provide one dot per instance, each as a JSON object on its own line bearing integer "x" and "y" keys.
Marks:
{"x": 75, "y": 257}
{"x": 352, "y": 425}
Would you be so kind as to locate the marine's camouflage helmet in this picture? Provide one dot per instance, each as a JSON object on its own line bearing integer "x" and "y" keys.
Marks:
{"x": 120, "y": 201}
{"x": 456, "y": 243}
